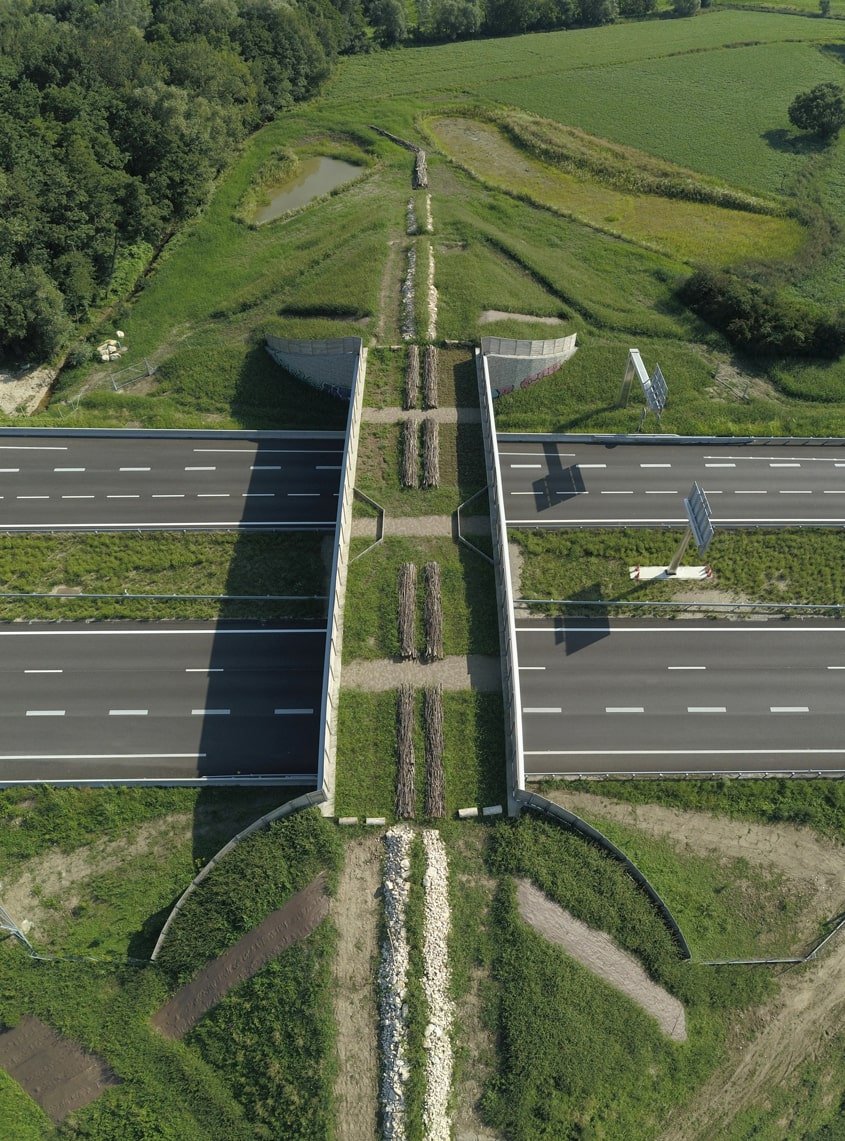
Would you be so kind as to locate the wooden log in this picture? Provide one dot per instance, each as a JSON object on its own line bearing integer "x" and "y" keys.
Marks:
{"x": 407, "y": 611}
{"x": 405, "y": 791}
{"x": 430, "y": 377}
{"x": 435, "y": 784}
{"x": 412, "y": 377}
{"x": 410, "y": 454}
{"x": 431, "y": 453}
{"x": 433, "y": 612}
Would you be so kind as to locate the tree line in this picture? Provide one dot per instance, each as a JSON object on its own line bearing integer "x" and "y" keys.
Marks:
{"x": 115, "y": 118}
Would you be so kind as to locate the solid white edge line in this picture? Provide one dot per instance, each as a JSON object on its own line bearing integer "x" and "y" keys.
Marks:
{"x": 683, "y": 629}
{"x": 99, "y": 633}
{"x": 235, "y": 524}
{"x": 98, "y": 756}
{"x": 679, "y": 752}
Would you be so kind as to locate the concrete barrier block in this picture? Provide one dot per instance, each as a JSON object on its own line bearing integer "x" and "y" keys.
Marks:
{"x": 492, "y": 810}
{"x": 347, "y": 819}
{"x": 467, "y": 813}
{"x": 378, "y": 820}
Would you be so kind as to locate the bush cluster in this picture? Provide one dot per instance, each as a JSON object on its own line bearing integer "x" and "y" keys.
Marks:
{"x": 763, "y": 320}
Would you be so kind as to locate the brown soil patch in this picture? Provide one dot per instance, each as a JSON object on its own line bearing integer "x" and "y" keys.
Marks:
{"x": 596, "y": 951}
{"x": 301, "y": 915}
{"x": 55, "y": 1072}
{"x": 393, "y": 415}
{"x": 472, "y": 671}
{"x": 23, "y": 389}
{"x": 55, "y": 875}
{"x": 795, "y": 852}
{"x": 355, "y": 915}
{"x": 488, "y": 316}
{"x": 422, "y": 526}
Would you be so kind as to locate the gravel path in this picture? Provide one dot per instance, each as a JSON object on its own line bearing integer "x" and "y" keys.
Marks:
{"x": 470, "y": 671}
{"x": 443, "y": 415}
{"x": 603, "y": 957}
{"x": 423, "y": 526}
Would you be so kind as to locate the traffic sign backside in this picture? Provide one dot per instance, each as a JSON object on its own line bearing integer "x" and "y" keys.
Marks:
{"x": 699, "y": 515}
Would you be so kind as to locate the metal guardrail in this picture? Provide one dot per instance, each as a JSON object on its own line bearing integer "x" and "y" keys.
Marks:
{"x": 705, "y": 607}
{"x": 309, "y": 800}
{"x": 504, "y": 590}
{"x": 176, "y": 433}
{"x": 669, "y": 439}
{"x": 337, "y": 593}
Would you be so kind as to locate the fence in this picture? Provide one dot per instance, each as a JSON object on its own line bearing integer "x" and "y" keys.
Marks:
{"x": 337, "y": 592}
{"x": 538, "y": 803}
{"x": 504, "y": 590}
{"x": 308, "y": 800}
{"x": 131, "y": 373}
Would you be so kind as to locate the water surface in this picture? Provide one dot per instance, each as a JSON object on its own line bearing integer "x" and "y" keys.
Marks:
{"x": 314, "y": 176}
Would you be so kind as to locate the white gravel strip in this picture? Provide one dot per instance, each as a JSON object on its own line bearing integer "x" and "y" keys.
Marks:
{"x": 411, "y": 225}
{"x": 429, "y": 221}
{"x": 432, "y": 296}
{"x": 392, "y": 979}
{"x": 436, "y": 977}
{"x": 408, "y": 322}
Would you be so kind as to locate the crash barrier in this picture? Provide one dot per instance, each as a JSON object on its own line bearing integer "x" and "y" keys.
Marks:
{"x": 537, "y": 803}
{"x": 337, "y": 589}
{"x": 504, "y": 588}
{"x": 308, "y": 800}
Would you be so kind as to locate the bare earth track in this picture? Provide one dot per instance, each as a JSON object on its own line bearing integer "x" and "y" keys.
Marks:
{"x": 596, "y": 951}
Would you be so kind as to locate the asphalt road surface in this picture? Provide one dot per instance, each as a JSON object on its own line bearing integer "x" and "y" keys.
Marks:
{"x": 181, "y": 700}
{"x": 623, "y": 485}
{"x": 76, "y": 484}
{"x": 610, "y": 697}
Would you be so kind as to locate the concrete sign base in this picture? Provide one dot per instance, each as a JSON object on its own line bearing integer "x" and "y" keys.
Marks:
{"x": 644, "y": 574}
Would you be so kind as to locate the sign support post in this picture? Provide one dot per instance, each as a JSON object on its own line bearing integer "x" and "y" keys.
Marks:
{"x": 699, "y": 528}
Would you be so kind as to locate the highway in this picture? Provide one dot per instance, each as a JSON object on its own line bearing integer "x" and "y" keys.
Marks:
{"x": 55, "y": 482}
{"x": 644, "y": 697}
{"x": 639, "y": 485}
{"x": 165, "y": 701}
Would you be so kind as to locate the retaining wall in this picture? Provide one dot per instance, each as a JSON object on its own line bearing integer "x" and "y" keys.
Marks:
{"x": 516, "y": 364}
{"x": 331, "y": 366}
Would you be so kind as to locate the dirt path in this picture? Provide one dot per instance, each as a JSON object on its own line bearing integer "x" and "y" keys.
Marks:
{"x": 489, "y": 315}
{"x": 422, "y": 526}
{"x": 797, "y": 1027}
{"x": 54, "y": 1071}
{"x": 301, "y": 915}
{"x": 387, "y": 326}
{"x": 600, "y": 954}
{"x": 470, "y": 671}
{"x": 796, "y": 852}
{"x": 393, "y": 415}
{"x": 355, "y": 914}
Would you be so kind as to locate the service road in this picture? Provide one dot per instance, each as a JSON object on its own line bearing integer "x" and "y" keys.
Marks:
{"x": 172, "y": 701}
{"x": 56, "y": 482}
{"x": 641, "y": 698}
{"x": 574, "y": 484}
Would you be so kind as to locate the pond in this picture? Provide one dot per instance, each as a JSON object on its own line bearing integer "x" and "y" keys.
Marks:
{"x": 315, "y": 176}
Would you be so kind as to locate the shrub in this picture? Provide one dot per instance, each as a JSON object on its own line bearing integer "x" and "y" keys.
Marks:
{"x": 685, "y": 7}
{"x": 820, "y": 110}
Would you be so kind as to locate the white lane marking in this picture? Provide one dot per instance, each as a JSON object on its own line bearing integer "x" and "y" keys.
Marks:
{"x": 624, "y": 709}
{"x": 663, "y": 493}
{"x": 32, "y": 497}
{"x": 720, "y": 465}
{"x": 609, "y": 521}
{"x": 203, "y": 670}
{"x": 789, "y": 709}
{"x": 169, "y": 495}
{"x": 61, "y": 469}
{"x": 554, "y": 491}
{"x": 525, "y": 465}
{"x": 590, "y": 465}
{"x": 32, "y": 448}
{"x": 706, "y": 709}
{"x": 541, "y": 709}
{"x": 543, "y": 667}
{"x": 212, "y": 495}
{"x": 686, "y": 667}
{"x": 205, "y": 633}
{"x": 128, "y": 712}
{"x": 8, "y": 469}
{"x": 97, "y": 756}
{"x": 45, "y": 712}
{"x": 679, "y": 753}
{"x": 290, "y": 712}
{"x": 743, "y": 628}
{"x": 42, "y": 671}
{"x": 783, "y": 464}
{"x": 265, "y": 467}
{"x": 257, "y": 494}
{"x": 303, "y": 495}
{"x": 123, "y": 497}
{"x": 833, "y": 493}
{"x": 751, "y": 493}
{"x": 210, "y": 712}
{"x": 77, "y": 497}
{"x": 134, "y": 469}
{"x": 801, "y": 459}
{"x": 655, "y": 465}
{"x": 278, "y": 451}
{"x": 221, "y": 524}
{"x": 568, "y": 455}
{"x": 836, "y": 667}
{"x": 525, "y": 493}
{"x": 617, "y": 493}
{"x": 331, "y": 467}
{"x": 214, "y": 468}
{"x": 796, "y": 493}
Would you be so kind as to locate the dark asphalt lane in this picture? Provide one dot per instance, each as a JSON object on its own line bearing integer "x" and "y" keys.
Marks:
{"x": 615, "y": 485}
{"x": 120, "y": 701}
{"x": 603, "y": 697}
{"x": 70, "y": 483}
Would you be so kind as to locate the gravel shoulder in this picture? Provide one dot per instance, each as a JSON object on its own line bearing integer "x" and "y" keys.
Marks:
{"x": 471, "y": 671}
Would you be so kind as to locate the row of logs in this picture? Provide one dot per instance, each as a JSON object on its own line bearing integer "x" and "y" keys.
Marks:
{"x": 409, "y": 471}
{"x": 429, "y": 377}
{"x": 432, "y": 612}
{"x": 435, "y": 784}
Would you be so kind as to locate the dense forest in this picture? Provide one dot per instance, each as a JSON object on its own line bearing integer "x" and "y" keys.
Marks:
{"x": 115, "y": 117}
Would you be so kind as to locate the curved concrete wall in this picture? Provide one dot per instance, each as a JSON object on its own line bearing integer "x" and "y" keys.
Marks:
{"x": 331, "y": 366}
{"x": 516, "y": 364}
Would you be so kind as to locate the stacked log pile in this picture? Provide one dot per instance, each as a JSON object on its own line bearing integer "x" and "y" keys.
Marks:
{"x": 431, "y": 453}
{"x": 412, "y": 377}
{"x": 405, "y": 796}
{"x": 407, "y": 611}
{"x": 429, "y": 371}
{"x": 433, "y": 612}
{"x": 410, "y": 455}
{"x": 435, "y": 787}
